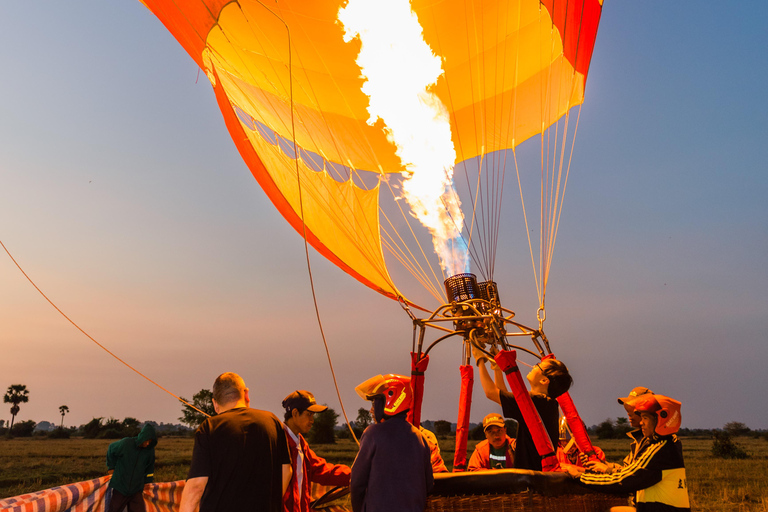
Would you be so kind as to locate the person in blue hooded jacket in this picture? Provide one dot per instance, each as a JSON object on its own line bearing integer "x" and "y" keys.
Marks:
{"x": 131, "y": 461}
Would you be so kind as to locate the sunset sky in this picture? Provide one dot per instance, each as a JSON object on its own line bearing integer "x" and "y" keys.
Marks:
{"x": 123, "y": 197}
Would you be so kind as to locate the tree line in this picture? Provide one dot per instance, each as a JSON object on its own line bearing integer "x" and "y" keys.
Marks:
{"x": 325, "y": 430}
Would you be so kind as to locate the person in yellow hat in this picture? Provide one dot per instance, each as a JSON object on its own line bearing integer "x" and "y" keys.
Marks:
{"x": 498, "y": 449}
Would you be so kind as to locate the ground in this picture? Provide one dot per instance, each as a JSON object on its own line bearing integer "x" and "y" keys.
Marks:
{"x": 33, "y": 464}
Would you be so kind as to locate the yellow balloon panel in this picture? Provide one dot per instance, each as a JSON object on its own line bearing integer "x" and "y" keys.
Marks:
{"x": 321, "y": 80}
{"x": 341, "y": 215}
{"x": 282, "y": 72}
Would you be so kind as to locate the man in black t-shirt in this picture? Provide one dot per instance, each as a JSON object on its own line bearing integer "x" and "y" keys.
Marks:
{"x": 240, "y": 460}
{"x": 548, "y": 380}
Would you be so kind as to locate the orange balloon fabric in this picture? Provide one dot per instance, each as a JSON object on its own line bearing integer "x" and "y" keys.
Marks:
{"x": 289, "y": 89}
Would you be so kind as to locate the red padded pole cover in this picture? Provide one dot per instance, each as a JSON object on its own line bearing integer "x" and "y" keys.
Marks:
{"x": 507, "y": 361}
{"x": 418, "y": 367}
{"x": 462, "y": 425}
{"x": 575, "y": 423}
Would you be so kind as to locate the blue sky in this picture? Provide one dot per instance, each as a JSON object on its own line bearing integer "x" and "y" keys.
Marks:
{"x": 123, "y": 197}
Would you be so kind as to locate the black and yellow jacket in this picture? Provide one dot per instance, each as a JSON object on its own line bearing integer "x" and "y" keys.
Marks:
{"x": 657, "y": 474}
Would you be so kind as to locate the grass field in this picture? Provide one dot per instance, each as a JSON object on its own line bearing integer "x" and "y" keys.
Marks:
{"x": 28, "y": 465}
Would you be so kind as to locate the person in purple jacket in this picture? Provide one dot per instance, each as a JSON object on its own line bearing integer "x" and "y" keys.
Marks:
{"x": 392, "y": 470}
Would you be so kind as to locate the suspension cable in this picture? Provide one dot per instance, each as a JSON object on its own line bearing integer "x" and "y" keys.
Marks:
{"x": 304, "y": 224}
{"x": 105, "y": 349}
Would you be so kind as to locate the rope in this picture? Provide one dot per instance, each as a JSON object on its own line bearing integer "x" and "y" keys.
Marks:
{"x": 304, "y": 225}
{"x": 92, "y": 339}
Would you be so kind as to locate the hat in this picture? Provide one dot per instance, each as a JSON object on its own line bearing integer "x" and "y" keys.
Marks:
{"x": 640, "y": 390}
{"x": 303, "y": 401}
{"x": 493, "y": 419}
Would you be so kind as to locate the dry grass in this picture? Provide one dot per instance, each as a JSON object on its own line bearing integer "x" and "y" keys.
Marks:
{"x": 28, "y": 465}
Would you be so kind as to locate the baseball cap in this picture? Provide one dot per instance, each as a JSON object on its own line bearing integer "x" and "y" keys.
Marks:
{"x": 636, "y": 392}
{"x": 493, "y": 419}
{"x": 303, "y": 401}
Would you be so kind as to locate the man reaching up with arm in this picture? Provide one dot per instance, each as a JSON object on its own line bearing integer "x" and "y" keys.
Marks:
{"x": 548, "y": 380}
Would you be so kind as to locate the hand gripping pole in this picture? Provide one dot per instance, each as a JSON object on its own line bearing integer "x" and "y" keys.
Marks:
{"x": 575, "y": 423}
{"x": 507, "y": 361}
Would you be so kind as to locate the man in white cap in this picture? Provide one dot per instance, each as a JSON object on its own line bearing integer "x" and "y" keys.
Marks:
{"x": 300, "y": 408}
{"x": 498, "y": 449}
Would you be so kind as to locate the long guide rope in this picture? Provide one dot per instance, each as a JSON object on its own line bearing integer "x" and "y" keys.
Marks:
{"x": 304, "y": 228}
{"x": 92, "y": 339}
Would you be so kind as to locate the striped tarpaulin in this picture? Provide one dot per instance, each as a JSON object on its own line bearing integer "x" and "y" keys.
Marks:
{"x": 85, "y": 496}
{"x": 163, "y": 496}
{"x": 91, "y": 496}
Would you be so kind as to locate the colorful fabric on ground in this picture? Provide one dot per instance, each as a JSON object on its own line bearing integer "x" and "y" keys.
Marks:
{"x": 91, "y": 496}
{"x": 86, "y": 496}
{"x": 163, "y": 496}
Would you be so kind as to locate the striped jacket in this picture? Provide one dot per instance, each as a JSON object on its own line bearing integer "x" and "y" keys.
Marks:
{"x": 657, "y": 474}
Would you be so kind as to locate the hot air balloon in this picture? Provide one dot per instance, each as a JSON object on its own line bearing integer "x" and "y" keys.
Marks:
{"x": 375, "y": 127}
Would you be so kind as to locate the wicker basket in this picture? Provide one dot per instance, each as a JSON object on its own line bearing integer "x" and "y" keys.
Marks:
{"x": 524, "y": 501}
{"x": 515, "y": 490}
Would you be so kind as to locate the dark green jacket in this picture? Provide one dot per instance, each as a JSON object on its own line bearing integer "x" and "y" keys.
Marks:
{"x": 134, "y": 466}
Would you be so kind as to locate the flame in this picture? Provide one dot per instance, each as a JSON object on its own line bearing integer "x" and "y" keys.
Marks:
{"x": 399, "y": 70}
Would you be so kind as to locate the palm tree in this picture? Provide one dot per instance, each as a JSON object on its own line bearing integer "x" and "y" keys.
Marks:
{"x": 63, "y": 410}
{"x": 16, "y": 394}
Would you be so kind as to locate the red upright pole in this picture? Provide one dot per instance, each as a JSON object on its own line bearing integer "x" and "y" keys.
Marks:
{"x": 575, "y": 423}
{"x": 507, "y": 361}
{"x": 418, "y": 367}
{"x": 462, "y": 425}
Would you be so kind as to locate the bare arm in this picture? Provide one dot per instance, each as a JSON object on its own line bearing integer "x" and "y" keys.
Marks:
{"x": 490, "y": 389}
{"x": 193, "y": 491}
{"x": 287, "y": 474}
{"x": 498, "y": 376}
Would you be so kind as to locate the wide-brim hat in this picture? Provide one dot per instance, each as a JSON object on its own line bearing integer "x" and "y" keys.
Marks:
{"x": 636, "y": 392}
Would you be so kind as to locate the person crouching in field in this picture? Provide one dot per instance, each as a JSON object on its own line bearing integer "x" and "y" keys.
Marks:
{"x": 131, "y": 462}
{"x": 658, "y": 473}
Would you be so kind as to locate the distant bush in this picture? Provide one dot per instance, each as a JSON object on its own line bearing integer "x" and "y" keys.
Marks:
{"x": 610, "y": 429}
{"x": 23, "y": 428}
{"x": 91, "y": 429}
{"x": 344, "y": 433}
{"x": 113, "y": 428}
{"x": 110, "y": 433}
{"x": 477, "y": 433}
{"x": 59, "y": 433}
{"x": 323, "y": 429}
{"x": 736, "y": 428}
{"x": 605, "y": 429}
{"x": 723, "y": 447}
{"x": 130, "y": 427}
{"x": 442, "y": 428}
{"x": 698, "y": 432}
